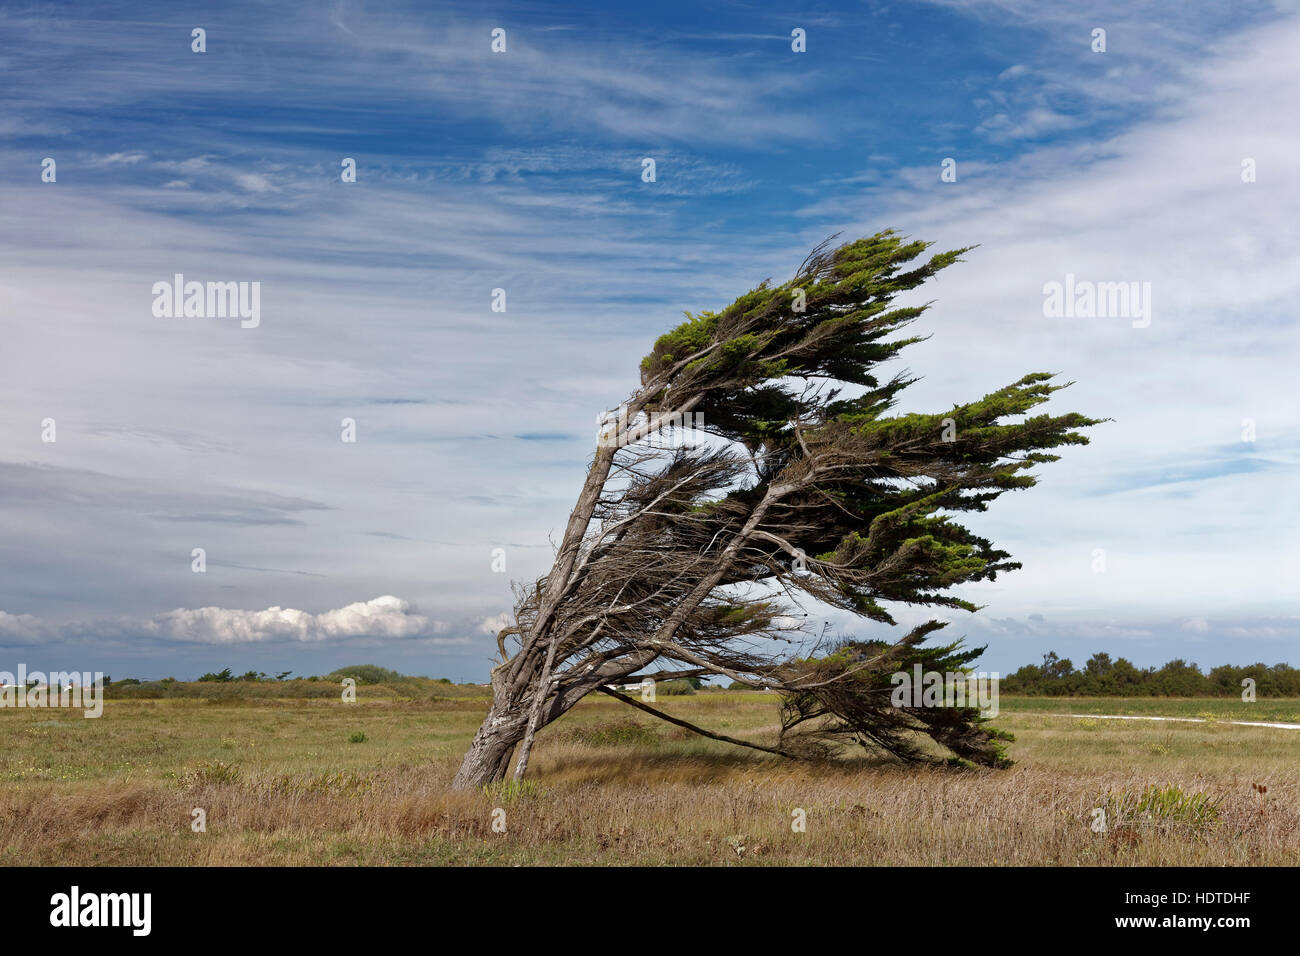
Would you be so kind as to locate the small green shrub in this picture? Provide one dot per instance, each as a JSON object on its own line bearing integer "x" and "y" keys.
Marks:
{"x": 365, "y": 674}
{"x": 674, "y": 688}
{"x": 215, "y": 772}
{"x": 1164, "y": 746}
{"x": 1162, "y": 808}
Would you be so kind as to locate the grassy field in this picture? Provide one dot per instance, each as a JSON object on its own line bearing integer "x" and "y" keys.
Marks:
{"x": 303, "y": 780}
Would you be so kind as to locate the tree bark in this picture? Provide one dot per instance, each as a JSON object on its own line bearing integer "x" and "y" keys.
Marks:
{"x": 535, "y": 712}
{"x": 488, "y": 759}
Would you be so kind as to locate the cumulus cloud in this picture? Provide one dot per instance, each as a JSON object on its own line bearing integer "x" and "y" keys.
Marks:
{"x": 491, "y": 625}
{"x": 22, "y": 629}
{"x": 384, "y": 618}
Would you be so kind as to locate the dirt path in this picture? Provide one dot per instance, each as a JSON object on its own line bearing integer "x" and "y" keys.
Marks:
{"x": 1187, "y": 720}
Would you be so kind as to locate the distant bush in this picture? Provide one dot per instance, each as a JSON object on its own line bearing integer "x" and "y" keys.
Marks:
{"x": 674, "y": 688}
{"x": 358, "y": 737}
{"x": 366, "y": 674}
{"x": 218, "y": 690}
{"x": 234, "y": 691}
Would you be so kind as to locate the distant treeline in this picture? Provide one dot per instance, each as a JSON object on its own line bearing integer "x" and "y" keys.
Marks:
{"x": 361, "y": 673}
{"x": 1103, "y": 677}
{"x": 228, "y": 685}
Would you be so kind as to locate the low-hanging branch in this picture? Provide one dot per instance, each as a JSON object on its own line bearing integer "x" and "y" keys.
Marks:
{"x": 633, "y": 702}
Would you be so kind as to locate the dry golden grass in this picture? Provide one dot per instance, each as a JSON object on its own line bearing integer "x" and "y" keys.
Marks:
{"x": 281, "y": 784}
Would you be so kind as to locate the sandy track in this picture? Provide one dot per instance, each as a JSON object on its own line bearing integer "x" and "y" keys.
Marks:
{"x": 1186, "y": 720}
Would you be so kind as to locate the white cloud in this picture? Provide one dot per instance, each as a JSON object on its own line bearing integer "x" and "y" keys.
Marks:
{"x": 385, "y": 618}
{"x": 119, "y": 159}
{"x": 254, "y": 182}
{"x": 492, "y": 625}
{"x": 18, "y": 629}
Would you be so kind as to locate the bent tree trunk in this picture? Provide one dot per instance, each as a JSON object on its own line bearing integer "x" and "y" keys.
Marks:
{"x": 513, "y": 691}
{"x": 488, "y": 758}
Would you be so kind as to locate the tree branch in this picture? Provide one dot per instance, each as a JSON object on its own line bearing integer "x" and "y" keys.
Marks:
{"x": 633, "y": 702}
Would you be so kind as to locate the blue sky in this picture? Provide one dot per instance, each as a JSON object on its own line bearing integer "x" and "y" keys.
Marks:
{"x": 522, "y": 170}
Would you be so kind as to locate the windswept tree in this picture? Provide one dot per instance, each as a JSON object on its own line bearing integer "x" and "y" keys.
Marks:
{"x": 682, "y": 562}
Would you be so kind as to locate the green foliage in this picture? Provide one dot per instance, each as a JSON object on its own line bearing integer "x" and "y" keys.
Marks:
{"x": 897, "y": 482}
{"x": 357, "y": 737}
{"x": 223, "y": 676}
{"x": 848, "y": 695}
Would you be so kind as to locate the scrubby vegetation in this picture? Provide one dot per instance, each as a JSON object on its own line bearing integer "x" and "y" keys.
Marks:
{"x": 283, "y": 783}
{"x": 374, "y": 681}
